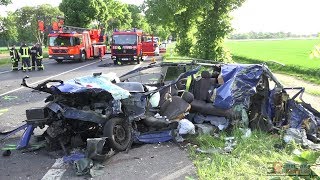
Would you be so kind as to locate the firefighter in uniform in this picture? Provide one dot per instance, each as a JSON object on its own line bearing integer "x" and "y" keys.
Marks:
{"x": 39, "y": 57}
{"x": 33, "y": 57}
{"x": 25, "y": 57}
{"x": 15, "y": 58}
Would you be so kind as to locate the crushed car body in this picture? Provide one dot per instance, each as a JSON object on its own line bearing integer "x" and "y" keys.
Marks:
{"x": 146, "y": 105}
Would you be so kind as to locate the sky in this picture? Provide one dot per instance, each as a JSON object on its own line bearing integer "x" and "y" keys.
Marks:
{"x": 294, "y": 16}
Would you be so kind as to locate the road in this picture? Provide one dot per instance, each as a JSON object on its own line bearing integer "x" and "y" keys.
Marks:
{"x": 163, "y": 161}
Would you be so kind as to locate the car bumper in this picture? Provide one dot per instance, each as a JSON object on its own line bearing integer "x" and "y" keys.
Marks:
{"x": 125, "y": 57}
{"x": 64, "y": 56}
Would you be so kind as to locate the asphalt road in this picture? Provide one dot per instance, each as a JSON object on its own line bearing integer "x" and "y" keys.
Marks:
{"x": 160, "y": 161}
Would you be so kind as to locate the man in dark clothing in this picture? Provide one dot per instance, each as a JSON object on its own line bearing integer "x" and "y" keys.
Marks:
{"x": 15, "y": 58}
{"x": 39, "y": 57}
{"x": 33, "y": 57}
{"x": 25, "y": 57}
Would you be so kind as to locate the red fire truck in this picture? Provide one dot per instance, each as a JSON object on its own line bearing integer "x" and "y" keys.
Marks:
{"x": 73, "y": 43}
{"x": 129, "y": 46}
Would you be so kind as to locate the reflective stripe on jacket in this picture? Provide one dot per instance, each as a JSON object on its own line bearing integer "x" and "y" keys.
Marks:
{"x": 25, "y": 52}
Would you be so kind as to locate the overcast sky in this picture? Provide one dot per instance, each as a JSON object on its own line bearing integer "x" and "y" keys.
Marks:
{"x": 295, "y": 16}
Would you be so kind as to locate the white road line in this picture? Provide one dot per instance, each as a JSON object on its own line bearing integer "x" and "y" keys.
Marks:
{"x": 4, "y": 72}
{"x": 136, "y": 66}
{"x": 56, "y": 171}
{"x": 48, "y": 78}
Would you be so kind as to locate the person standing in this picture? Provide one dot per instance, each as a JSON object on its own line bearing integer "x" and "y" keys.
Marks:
{"x": 15, "y": 58}
{"x": 25, "y": 57}
{"x": 33, "y": 57}
{"x": 39, "y": 57}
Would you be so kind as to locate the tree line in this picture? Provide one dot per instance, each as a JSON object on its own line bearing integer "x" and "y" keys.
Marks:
{"x": 269, "y": 35}
{"x": 200, "y": 27}
{"x": 21, "y": 25}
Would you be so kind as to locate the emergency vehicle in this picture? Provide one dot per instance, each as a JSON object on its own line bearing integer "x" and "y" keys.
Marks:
{"x": 74, "y": 43}
{"x": 130, "y": 45}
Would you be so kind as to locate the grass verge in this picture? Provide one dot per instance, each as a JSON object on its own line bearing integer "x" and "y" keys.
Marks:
{"x": 252, "y": 158}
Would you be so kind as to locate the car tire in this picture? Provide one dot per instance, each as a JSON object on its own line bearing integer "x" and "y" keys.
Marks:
{"x": 138, "y": 60}
{"x": 118, "y": 134}
{"x": 59, "y": 60}
{"x": 82, "y": 56}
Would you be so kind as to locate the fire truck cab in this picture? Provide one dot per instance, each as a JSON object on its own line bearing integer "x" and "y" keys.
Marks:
{"x": 126, "y": 46}
{"x": 73, "y": 43}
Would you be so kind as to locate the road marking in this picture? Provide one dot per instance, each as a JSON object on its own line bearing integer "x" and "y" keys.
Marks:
{"x": 136, "y": 66}
{"x": 3, "y": 94}
{"x": 4, "y": 72}
{"x": 56, "y": 171}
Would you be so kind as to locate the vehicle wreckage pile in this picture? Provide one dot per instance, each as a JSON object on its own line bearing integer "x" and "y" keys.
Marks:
{"x": 103, "y": 113}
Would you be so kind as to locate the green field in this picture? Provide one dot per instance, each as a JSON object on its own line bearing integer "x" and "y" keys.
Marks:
{"x": 294, "y": 54}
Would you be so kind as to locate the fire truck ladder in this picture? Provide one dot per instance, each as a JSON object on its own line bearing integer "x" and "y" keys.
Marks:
{"x": 70, "y": 29}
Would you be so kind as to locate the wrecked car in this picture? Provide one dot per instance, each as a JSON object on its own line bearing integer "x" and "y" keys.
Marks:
{"x": 101, "y": 105}
{"x": 146, "y": 104}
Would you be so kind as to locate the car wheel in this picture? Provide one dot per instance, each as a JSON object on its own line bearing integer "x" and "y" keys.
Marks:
{"x": 118, "y": 134}
{"x": 59, "y": 60}
{"x": 82, "y": 56}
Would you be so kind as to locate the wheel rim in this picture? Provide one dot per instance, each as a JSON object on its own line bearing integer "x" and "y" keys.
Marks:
{"x": 83, "y": 56}
{"x": 119, "y": 134}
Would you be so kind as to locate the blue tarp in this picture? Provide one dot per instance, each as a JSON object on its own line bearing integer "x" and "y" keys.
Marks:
{"x": 240, "y": 83}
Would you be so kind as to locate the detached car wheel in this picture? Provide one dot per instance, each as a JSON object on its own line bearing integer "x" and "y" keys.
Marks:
{"x": 118, "y": 134}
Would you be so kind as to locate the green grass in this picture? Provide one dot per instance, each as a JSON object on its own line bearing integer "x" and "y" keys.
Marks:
{"x": 294, "y": 54}
{"x": 252, "y": 157}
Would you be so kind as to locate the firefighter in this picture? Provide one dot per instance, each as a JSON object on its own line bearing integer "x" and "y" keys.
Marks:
{"x": 25, "y": 57}
{"x": 33, "y": 57}
{"x": 39, "y": 57}
{"x": 15, "y": 58}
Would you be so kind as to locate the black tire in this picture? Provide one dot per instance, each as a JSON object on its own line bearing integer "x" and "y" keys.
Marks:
{"x": 115, "y": 62}
{"x": 59, "y": 60}
{"x": 82, "y": 56}
{"x": 118, "y": 134}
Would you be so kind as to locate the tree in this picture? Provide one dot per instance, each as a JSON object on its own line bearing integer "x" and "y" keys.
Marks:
{"x": 8, "y": 29}
{"x": 27, "y": 19}
{"x": 138, "y": 19}
{"x": 81, "y": 13}
{"x": 120, "y": 17}
{"x": 5, "y": 2}
{"x": 201, "y": 26}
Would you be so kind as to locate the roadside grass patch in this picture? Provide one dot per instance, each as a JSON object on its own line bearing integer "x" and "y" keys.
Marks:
{"x": 252, "y": 158}
{"x": 294, "y": 54}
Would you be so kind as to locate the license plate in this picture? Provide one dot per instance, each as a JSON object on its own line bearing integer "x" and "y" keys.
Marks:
{"x": 125, "y": 59}
{"x": 60, "y": 58}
